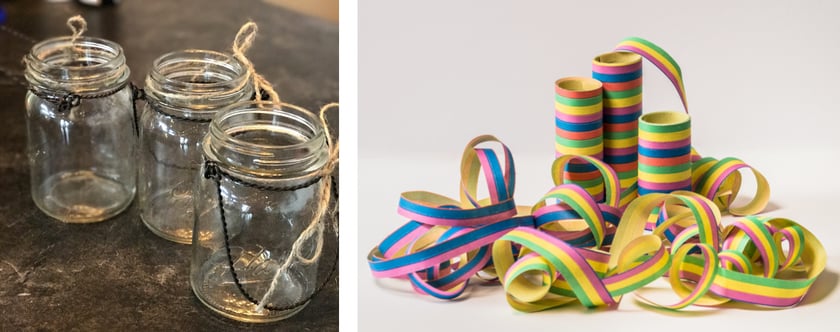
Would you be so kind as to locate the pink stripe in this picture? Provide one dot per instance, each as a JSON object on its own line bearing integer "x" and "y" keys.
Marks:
{"x": 405, "y": 240}
{"x": 584, "y": 266}
{"x": 621, "y": 151}
{"x": 617, "y": 69}
{"x": 431, "y": 261}
{"x": 459, "y": 222}
{"x": 725, "y": 174}
{"x": 755, "y": 298}
{"x": 578, "y": 118}
{"x": 664, "y": 186}
{"x": 661, "y": 67}
{"x": 665, "y": 145}
{"x": 623, "y": 110}
{"x": 634, "y": 271}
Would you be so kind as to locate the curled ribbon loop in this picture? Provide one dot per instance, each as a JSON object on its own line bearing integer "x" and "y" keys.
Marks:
{"x": 448, "y": 241}
{"x": 720, "y": 181}
{"x": 560, "y": 210}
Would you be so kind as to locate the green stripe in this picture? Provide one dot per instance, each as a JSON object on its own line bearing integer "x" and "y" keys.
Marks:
{"x": 560, "y": 265}
{"x": 578, "y": 143}
{"x": 660, "y": 51}
{"x": 588, "y": 183}
{"x": 643, "y": 282}
{"x": 623, "y": 94}
{"x": 578, "y": 101}
{"x": 629, "y": 174}
{"x": 658, "y": 128}
{"x": 664, "y": 169}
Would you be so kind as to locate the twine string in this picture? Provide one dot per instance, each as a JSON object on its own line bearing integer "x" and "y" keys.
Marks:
{"x": 315, "y": 226}
{"x": 241, "y": 43}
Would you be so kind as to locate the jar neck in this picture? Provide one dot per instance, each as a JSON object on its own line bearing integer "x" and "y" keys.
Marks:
{"x": 197, "y": 83}
{"x": 87, "y": 65}
{"x": 267, "y": 141}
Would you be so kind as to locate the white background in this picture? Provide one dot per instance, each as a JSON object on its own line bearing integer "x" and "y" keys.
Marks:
{"x": 762, "y": 82}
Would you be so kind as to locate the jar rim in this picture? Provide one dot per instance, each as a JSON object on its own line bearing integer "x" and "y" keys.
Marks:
{"x": 117, "y": 56}
{"x": 268, "y": 108}
{"x": 176, "y": 56}
{"x": 45, "y": 69}
{"x": 294, "y": 158}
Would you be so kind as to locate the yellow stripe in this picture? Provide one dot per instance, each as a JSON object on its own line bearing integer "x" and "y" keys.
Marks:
{"x": 665, "y": 137}
{"x": 758, "y": 289}
{"x": 659, "y": 57}
{"x": 622, "y": 102}
{"x": 578, "y": 110}
{"x": 577, "y": 272}
{"x": 621, "y": 143}
{"x": 665, "y": 178}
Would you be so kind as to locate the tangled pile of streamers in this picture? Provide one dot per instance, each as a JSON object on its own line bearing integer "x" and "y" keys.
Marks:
{"x": 595, "y": 242}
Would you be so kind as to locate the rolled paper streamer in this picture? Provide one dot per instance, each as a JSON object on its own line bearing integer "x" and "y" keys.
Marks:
{"x": 448, "y": 241}
{"x": 579, "y": 130}
{"x": 664, "y": 152}
{"x": 561, "y": 210}
{"x": 720, "y": 181}
{"x": 621, "y": 74}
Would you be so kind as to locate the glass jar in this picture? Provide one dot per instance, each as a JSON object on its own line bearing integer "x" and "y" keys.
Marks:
{"x": 80, "y": 129}
{"x": 183, "y": 91}
{"x": 263, "y": 167}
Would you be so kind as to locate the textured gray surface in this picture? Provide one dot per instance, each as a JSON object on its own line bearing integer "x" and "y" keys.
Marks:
{"x": 117, "y": 275}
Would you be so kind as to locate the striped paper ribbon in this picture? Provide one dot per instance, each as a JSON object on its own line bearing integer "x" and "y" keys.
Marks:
{"x": 664, "y": 152}
{"x": 621, "y": 75}
{"x": 579, "y": 130}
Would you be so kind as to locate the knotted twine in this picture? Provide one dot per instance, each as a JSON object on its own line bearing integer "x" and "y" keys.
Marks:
{"x": 243, "y": 41}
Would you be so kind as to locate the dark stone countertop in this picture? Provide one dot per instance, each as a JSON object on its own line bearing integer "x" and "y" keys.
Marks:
{"x": 116, "y": 274}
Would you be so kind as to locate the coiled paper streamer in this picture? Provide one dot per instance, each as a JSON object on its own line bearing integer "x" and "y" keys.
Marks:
{"x": 720, "y": 181}
{"x": 448, "y": 241}
{"x": 664, "y": 152}
{"x": 571, "y": 214}
{"x": 579, "y": 129}
{"x": 621, "y": 75}
{"x": 566, "y": 243}
{"x": 570, "y": 248}
{"x": 723, "y": 184}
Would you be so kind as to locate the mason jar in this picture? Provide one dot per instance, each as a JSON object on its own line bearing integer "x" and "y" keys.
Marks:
{"x": 183, "y": 90}
{"x": 257, "y": 194}
{"x": 80, "y": 129}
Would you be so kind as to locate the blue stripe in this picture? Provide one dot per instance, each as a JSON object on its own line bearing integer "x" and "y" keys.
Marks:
{"x": 580, "y": 168}
{"x": 511, "y": 170}
{"x": 644, "y": 191}
{"x": 624, "y": 118}
{"x": 400, "y": 233}
{"x": 621, "y": 159}
{"x": 452, "y": 244}
{"x": 616, "y": 78}
{"x": 577, "y": 127}
{"x": 497, "y": 174}
{"x": 665, "y": 153}
{"x": 482, "y": 252}
{"x": 455, "y": 213}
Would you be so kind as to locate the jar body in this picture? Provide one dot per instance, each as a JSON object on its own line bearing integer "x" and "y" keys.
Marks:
{"x": 243, "y": 259}
{"x": 81, "y": 156}
{"x": 183, "y": 92}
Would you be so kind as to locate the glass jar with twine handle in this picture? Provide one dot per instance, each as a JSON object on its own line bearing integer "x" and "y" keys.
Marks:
{"x": 262, "y": 204}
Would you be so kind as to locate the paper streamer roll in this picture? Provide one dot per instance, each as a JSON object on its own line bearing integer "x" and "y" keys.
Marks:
{"x": 579, "y": 130}
{"x": 664, "y": 152}
{"x": 720, "y": 181}
{"x": 621, "y": 74}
